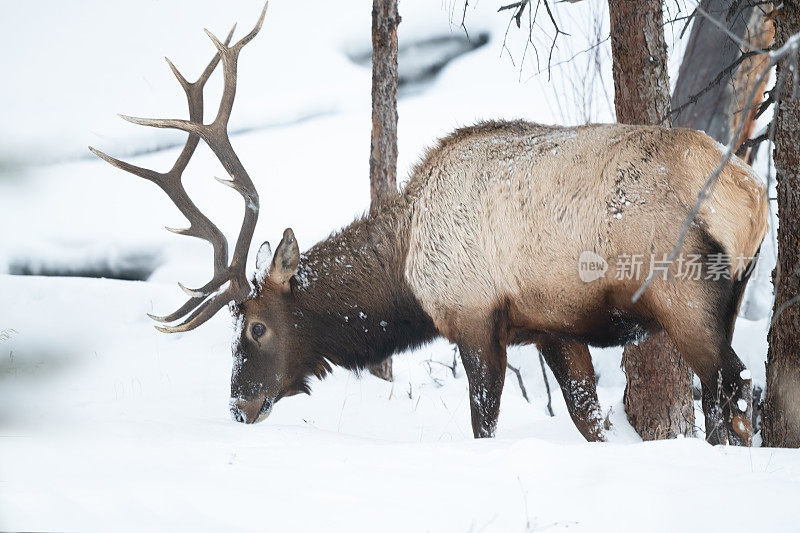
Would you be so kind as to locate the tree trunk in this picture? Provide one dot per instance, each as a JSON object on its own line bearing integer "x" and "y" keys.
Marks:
{"x": 709, "y": 52}
{"x": 781, "y": 412}
{"x": 641, "y": 82}
{"x": 658, "y": 394}
{"x": 383, "y": 149}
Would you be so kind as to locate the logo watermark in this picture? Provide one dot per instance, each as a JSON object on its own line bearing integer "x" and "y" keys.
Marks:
{"x": 591, "y": 266}
{"x": 686, "y": 267}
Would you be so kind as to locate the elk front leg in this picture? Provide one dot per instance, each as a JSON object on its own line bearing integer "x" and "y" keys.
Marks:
{"x": 484, "y": 359}
{"x": 572, "y": 366}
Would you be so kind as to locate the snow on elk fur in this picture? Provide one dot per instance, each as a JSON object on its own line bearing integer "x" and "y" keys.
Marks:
{"x": 483, "y": 247}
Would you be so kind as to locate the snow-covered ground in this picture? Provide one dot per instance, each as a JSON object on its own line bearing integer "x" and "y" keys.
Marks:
{"x": 106, "y": 424}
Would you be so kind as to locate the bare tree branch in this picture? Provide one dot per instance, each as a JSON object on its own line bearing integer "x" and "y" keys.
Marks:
{"x": 519, "y": 8}
{"x": 768, "y": 101}
{"x": 752, "y": 143}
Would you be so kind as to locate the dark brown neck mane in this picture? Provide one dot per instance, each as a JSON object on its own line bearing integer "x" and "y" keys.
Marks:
{"x": 352, "y": 301}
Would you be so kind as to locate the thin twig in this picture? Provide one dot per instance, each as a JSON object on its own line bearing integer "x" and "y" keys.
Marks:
{"x": 519, "y": 379}
{"x": 464, "y": 19}
{"x": 688, "y": 23}
{"x": 453, "y": 367}
{"x": 752, "y": 143}
{"x": 678, "y": 19}
{"x": 770, "y": 99}
{"x": 565, "y": 61}
{"x": 546, "y": 386}
{"x": 553, "y": 44}
{"x": 518, "y": 15}
{"x": 519, "y": 8}
{"x": 437, "y": 381}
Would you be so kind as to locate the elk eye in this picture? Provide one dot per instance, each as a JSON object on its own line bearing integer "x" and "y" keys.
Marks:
{"x": 257, "y": 330}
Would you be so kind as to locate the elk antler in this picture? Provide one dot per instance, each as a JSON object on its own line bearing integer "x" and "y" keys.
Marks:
{"x": 229, "y": 282}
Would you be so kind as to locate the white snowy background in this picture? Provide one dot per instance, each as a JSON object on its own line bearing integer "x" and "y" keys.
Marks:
{"x": 108, "y": 425}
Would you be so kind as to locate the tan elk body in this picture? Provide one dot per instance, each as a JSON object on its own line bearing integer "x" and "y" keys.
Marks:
{"x": 502, "y": 211}
{"x": 483, "y": 246}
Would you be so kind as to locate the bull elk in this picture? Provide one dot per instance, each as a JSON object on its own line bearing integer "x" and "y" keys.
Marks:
{"x": 482, "y": 247}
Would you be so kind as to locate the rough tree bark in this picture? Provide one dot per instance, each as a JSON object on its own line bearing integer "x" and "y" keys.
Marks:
{"x": 717, "y": 111}
{"x": 383, "y": 149}
{"x": 781, "y": 411}
{"x": 658, "y": 394}
{"x": 641, "y": 82}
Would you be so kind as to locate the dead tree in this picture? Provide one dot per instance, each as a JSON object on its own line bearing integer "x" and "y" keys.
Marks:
{"x": 658, "y": 394}
{"x": 383, "y": 149}
{"x": 715, "y": 79}
{"x": 781, "y": 411}
{"x": 716, "y": 76}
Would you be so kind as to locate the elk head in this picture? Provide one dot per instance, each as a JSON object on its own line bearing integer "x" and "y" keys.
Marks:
{"x": 264, "y": 367}
{"x": 268, "y": 351}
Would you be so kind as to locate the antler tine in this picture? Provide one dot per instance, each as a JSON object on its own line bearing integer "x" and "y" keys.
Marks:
{"x": 211, "y": 66}
{"x": 230, "y": 57}
{"x": 257, "y": 28}
{"x": 205, "y": 310}
{"x": 145, "y": 173}
{"x": 194, "y": 93}
{"x": 244, "y": 40}
{"x": 188, "y": 306}
{"x": 181, "y": 79}
{"x": 169, "y": 123}
{"x": 199, "y": 228}
{"x": 201, "y": 81}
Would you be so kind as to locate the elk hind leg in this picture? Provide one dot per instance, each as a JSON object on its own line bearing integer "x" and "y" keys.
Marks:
{"x": 572, "y": 366}
{"x": 715, "y": 410}
{"x": 702, "y": 331}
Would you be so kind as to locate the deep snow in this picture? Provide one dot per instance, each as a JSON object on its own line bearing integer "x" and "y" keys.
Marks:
{"x": 106, "y": 424}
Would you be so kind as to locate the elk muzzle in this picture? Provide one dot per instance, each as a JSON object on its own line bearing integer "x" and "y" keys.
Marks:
{"x": 251, "y": 411}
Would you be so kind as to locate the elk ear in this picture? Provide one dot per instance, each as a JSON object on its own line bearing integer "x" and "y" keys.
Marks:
{"x": 262, "y": 263}
{"x": 287, "y": 257}
{"x": 264, "y": 254}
